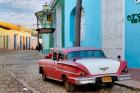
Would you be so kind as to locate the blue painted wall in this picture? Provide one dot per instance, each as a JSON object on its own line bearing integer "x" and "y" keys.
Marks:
{"x": 93, "y": 18}
{"x": 132, "y": 35}
{"x": 45, "y": 41}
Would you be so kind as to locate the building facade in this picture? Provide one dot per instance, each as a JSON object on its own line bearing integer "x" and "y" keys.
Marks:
{"x": 15, "y": 37}
{"x": 57, "y": 7}
{"x": 90, "y": 23}
{"x": 44, "y": 20}
{"x": 132, "y": 32}
{"x": 49, "y": 18}
{"x": 121, "y": 30}
{"x": 112, "y": 25}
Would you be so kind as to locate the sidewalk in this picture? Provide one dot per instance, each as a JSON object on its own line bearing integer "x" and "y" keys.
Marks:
{"x": 134, "y": 83}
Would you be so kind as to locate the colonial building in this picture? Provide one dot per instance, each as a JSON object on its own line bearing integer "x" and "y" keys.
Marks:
{"x": 15, "y": 37}
{"x": 44, "y": 27}
{"x": 57, "y": 7}
{"x": 109, "y": 24}
{"x": 51, "y": 18}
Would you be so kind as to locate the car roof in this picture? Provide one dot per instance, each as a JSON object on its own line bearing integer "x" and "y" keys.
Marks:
{"x": 68, "y": 50}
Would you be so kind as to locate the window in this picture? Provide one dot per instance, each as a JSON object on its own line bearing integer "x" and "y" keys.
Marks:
{"x": 86, "y": 54}
{"x": 54, "y": 56}
{"x": 49, "y": 17}
{"x": 60, "y": 56}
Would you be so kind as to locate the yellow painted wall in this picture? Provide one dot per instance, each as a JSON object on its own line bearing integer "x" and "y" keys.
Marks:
{"x": 19, "y": 31}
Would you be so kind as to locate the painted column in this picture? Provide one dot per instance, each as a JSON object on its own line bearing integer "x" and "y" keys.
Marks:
{"x": 1, "y": 42}
{"x": 7, "y": 41}
{"x": 4, "y": 42}
{"x": 58, "y": 31}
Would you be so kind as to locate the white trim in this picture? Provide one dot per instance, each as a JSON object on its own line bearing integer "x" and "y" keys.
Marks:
{"x": 61, "y": 70}
{"x": 124, "y": 29}
{"x": 104, "y": 27}
{"x": 102, "y": 24}
{"x": 58, "y": 27}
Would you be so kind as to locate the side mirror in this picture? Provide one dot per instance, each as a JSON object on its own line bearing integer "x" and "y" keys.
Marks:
{"x": 49, "y": 56}
{"x": 119, "y": 57}
{"x": 74, "y": 59}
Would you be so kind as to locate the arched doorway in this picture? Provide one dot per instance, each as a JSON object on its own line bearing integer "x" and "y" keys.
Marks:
{"x": 72, "y": 25}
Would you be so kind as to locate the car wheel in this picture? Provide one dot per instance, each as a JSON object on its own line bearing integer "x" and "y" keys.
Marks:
{"x": 69, "y": 87}
{"x": 44, "y": 77}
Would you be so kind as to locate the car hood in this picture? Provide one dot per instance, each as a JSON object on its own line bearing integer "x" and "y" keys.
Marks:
{"x": 100, "y": 65}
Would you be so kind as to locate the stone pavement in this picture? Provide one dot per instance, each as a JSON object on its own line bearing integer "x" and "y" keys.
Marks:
{"x": 134, "y": 83}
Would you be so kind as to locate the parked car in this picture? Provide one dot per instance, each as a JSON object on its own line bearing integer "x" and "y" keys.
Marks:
{"x": 80, "y": 66}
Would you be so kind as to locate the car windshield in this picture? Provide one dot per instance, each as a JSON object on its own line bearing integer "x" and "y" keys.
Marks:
{"x": 86, "y": 54}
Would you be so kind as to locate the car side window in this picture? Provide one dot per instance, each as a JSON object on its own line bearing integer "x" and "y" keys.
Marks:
{"x": 54, "y": 56}
{"x": 60, "y": 56}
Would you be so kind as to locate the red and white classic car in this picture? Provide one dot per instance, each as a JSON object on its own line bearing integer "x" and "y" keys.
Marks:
{"x": 79, "y": 66}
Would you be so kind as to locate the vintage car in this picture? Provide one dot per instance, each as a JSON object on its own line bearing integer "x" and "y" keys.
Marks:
{"x": 80, "y": 66}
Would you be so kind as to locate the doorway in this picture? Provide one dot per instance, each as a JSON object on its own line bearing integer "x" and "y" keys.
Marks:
{"x": 113, "y": 28}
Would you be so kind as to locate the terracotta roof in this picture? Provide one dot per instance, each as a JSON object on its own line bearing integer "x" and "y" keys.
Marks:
{"x": 9, "y": 26}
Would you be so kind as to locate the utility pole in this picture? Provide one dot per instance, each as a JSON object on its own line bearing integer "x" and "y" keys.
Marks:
{"x": 78, "y": 23}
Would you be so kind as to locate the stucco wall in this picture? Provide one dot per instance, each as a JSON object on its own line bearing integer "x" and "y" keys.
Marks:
{"x": 92, "y": 10}
{"x": 10, "y": 41}
{"x": 132, "y": 34}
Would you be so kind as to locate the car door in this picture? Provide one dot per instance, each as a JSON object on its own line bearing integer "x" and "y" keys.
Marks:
{"x": 51, "y": 66}
{"x": 59, "y": 66}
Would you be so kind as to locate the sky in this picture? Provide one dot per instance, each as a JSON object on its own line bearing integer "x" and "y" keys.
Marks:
{"x": 21, "y": 12}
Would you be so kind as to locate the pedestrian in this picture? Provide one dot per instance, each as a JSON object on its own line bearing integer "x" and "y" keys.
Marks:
{"x": 40, "y": 47}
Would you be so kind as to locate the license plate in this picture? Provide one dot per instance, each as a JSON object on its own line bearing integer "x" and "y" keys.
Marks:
{"x": 106, "y": 79}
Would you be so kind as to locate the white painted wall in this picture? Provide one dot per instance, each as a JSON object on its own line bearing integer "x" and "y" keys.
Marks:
{"x": 58, "y": 32}
{"x": 113, "y": 28}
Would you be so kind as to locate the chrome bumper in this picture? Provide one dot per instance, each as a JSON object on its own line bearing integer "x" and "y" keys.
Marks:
{"x": 124, "y": 77}
{"x": 92, "y": 80}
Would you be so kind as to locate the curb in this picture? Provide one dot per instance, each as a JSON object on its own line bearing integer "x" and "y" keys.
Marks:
{"x": 132, "y": 84}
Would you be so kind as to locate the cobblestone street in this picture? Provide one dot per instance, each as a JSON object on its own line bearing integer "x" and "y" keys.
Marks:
{"x": 19, "y": 74}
